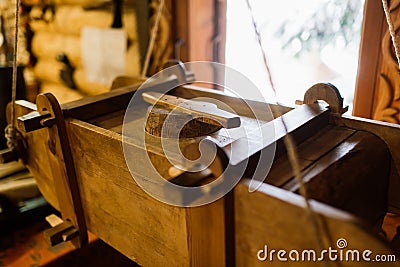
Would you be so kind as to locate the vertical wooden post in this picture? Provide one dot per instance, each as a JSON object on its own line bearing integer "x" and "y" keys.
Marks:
{"x": 369, "y": 59}
{"x": 199, "y": 31}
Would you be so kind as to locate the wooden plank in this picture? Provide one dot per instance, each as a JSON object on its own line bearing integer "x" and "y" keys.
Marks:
{"x": 390, "y": 134}
{"x": 380, "y": 90}
{"x": 143, "y": 229}
{"x": 111, "y": 197}
{"x": 369, "y": 58}
{"x": 112, "y": 116}
{"x": 206, "y": 233}
{"x": 11, "y": 168}
{"x": 180, "y": 30}
{"x": 276, "y": 218}
{"x": 110, "y": 120}
{"x": 63, "y": 168}
{"x": 36, "y": 158}
{"x": 208, "y": 112}
{"x": 114, "y": 100}
{"x": 194, "y": 29}
{"x": 19, "y": 187}
{"x": 243, "y": 107}
{"x": 308, "y": 152}
{"x": 357, "y": 167}
{"x": 301, "y": 122}
{"x": 93, "y": 106}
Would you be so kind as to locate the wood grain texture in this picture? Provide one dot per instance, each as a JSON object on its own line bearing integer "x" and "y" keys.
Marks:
{"x": 62, "y": 165}
{"x": 194, "y": 25}
{"x": 328, "y": 93}
{"x": 161, "y": 122}
{"x": 359, "y": 166}
{"x": 278, "y": 219}
{"x": 246, "y": 107}
{"x": 377, "y": 91}
{"x": 387, "y": 105}
{"x": 147, "y": 231}
{"x": 309, "y": 152}
{"x": 205, "y": 111}
{"x": 152, "y": 233}
{"x": 390, "y": 134}
{"x": 36, "y": 159}
{"x": 369, "y": 62}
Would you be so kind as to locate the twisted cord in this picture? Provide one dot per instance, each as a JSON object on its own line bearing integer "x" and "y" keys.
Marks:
{"x": 153, "y": 37}
{"x": 10, "y": 133}
{"x": 392, "y": 30}
{"x": 290, "y": 145}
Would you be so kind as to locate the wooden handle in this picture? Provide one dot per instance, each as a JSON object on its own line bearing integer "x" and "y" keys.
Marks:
{"x": 208, "y": 112}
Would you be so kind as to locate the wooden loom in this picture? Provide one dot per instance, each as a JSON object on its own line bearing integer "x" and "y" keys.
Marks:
{"x": 350, "y": 167}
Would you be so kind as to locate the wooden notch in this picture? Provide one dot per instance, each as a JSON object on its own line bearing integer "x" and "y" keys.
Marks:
{"x": 34, "y": 121}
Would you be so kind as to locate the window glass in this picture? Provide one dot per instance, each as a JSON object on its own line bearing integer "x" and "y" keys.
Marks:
{"x": 306, "y": 42}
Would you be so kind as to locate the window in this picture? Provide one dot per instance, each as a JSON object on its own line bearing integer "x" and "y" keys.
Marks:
{"x": 305, "y": 41}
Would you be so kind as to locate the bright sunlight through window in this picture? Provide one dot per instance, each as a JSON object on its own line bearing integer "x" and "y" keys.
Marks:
{"x": 306, "y": 42}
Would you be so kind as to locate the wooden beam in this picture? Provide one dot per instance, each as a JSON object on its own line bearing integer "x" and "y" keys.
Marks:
{"x": 276, "y": 218}
{"x": 369, "y": 59}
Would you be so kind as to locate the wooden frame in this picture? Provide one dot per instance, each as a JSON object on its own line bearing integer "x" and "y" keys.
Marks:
{"x": 150, "y": 232}
{"x": 369, "y": 59}
{"x": 198, "y": 31}
{"x": 377, "y": 93}
{"x": 265, "y": 218}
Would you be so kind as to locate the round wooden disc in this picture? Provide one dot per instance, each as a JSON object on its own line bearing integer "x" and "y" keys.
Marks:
{"x": 178, "y": 123}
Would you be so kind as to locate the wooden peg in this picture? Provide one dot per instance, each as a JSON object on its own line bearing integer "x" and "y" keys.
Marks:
{"x": 59, "y": 233}
{"x": 70, "y": 234}
{"x": 34, "y": 121}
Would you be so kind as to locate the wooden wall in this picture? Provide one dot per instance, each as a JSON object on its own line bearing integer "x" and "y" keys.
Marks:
{"x": 198, "y": 30}
{"x": 378, "y": 86}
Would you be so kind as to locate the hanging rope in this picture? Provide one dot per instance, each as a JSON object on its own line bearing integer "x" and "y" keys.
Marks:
{"x": 391, "y": 30}
{"x": 290, "y": 146}
{"x": 10, "y": 132}
{"x": 153, "y": 37}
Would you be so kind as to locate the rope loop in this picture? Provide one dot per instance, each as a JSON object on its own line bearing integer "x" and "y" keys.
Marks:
{"x": 392, "y": 30}
{"x": 12, "y": 137}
